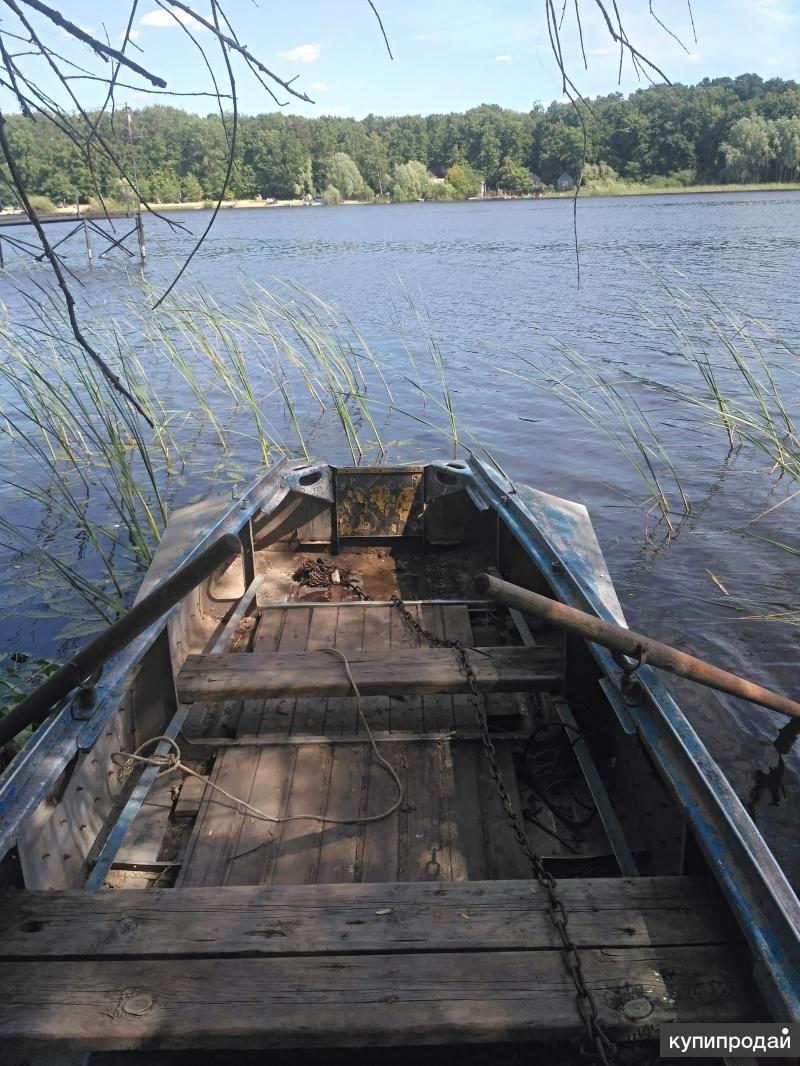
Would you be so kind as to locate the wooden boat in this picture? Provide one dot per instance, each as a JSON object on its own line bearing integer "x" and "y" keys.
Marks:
{"x": 155, "y": 910}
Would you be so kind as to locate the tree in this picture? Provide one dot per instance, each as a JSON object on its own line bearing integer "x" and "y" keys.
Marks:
{"x": 441, "y": 190}
{"x": 344, "y": 175}
{"x": 191, "y": 189}
{"x": 373, "y": 162}
{"x": 785, "y": 135}
{"x": 750, "y": 149}
{"x": 163, "y": 187}
{"x": 514, "y": 178}
{"x": 464, "y": 180}
{"x": 280, "y": 163}
{"x": 410, "y": 181}
{"x": 331, "y": 195}
{"x": 560, "y": 149}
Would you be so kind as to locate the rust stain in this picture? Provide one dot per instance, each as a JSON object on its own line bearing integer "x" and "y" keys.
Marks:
{"x": 378, "y": 505}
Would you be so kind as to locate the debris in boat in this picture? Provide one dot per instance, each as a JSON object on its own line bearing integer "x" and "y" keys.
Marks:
{"x": 321, "y": 573}
{"x": 718, "y": 583}
{"x": 768, "y": 781}
{"x": 244, "y": 631}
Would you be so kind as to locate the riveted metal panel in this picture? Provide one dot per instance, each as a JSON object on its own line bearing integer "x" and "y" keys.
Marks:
{"x": 383, "y": 503}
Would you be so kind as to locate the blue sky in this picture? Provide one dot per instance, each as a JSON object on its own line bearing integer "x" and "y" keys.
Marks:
{"x": 449, "y": 54}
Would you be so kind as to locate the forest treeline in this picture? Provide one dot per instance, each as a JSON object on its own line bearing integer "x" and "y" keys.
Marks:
{"x": 742, "y": 129}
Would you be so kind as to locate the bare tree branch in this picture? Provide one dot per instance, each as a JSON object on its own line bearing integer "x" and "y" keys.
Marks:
{"x": 236, "y": 47}
{"x": 231, "y": 156}
{"x": 383, "y": 31}
{"x": 666, "y": 29}
{"x": 103, "y": 50}
{"x": 55, "y": 264}
{"x": 622, "y": 39}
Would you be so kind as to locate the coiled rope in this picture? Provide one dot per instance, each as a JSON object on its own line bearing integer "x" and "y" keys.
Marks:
{"x": 173, "y": 761}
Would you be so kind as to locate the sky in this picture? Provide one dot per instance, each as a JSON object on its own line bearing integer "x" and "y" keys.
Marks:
{"x": 449, "y": 55}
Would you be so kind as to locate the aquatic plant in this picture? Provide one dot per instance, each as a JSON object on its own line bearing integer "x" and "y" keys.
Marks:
{"x": 88, "y": 486}
{"x": 741, "y": 371}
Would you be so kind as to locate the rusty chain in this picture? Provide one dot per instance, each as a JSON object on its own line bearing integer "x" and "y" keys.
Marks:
{"x": 596, "y": 1044}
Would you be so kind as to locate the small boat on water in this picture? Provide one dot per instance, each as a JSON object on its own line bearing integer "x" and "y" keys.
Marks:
{"x": 326, "y": 793}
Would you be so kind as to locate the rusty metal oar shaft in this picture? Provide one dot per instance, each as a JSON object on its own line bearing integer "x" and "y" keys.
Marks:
{"x": 619, "y": 639}
{"x": 37, "y": 705}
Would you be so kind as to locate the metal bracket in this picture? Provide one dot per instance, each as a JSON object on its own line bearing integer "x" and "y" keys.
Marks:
{"x": 444, "y": 477}
{"x": 310, "y": 479}
{"x": 84, "y": 702}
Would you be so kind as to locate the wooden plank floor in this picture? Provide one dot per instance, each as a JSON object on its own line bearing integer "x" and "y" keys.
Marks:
{"x": 450, "y": 825}
{"x": 359, "y": 965}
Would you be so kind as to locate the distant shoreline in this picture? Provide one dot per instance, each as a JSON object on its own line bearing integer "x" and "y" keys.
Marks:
{"x": 613, "y": 189}
{"x": 625, "y": 189}
{"x": 667, "y": 190}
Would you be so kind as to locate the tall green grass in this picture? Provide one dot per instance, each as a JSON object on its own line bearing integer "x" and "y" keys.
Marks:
{"x": 739, "y": 372}
{"x": 87, "y": 487}
{"x": 611, "y": 408}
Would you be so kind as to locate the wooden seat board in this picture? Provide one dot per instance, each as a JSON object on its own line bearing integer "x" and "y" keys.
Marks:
{"x": 360, "y": 1000}
{"x": 406, "y": 672}
{"x": 269, "y": 920}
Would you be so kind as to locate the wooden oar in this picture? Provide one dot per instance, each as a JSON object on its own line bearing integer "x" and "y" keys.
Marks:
{"x": 619, "y": 639}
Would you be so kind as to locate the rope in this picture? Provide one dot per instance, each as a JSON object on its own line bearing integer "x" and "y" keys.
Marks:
{"x": 173, "y": 761}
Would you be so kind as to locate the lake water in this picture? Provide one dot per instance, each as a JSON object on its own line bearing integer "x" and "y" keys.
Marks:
{"x": 496, "y": 284}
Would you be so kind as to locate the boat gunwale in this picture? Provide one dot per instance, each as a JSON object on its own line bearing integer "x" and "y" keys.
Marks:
{"x": 59, "y": 739}
{"x": 768, "y": 913}
{"x": 758, "y": 892}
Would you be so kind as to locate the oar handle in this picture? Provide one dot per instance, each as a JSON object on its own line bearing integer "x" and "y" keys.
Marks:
{"x": 623, "y": 640}
{"x": 37, "y": 705}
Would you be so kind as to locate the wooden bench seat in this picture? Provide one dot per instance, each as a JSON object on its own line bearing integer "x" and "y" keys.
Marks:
{"x": 359, "y": 965}
{"x": 399, "y": 672}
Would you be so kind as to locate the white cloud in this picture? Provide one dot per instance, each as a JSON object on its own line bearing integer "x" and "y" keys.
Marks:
{"x": 164, "y": 19}
{"x": 303, "y": 53}
{"x": 340, "y": 109}
{"x": 502, "y": 59}
{"x": 693, "y": 57}
{"x": 318, "y": 86}
{"x": 423, "y": 36}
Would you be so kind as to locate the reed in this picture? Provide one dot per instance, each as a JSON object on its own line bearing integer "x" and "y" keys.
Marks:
{"x": 612, "y": 409}
{"x": 740, "y": 372}
{"x": 88, "y": 488}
